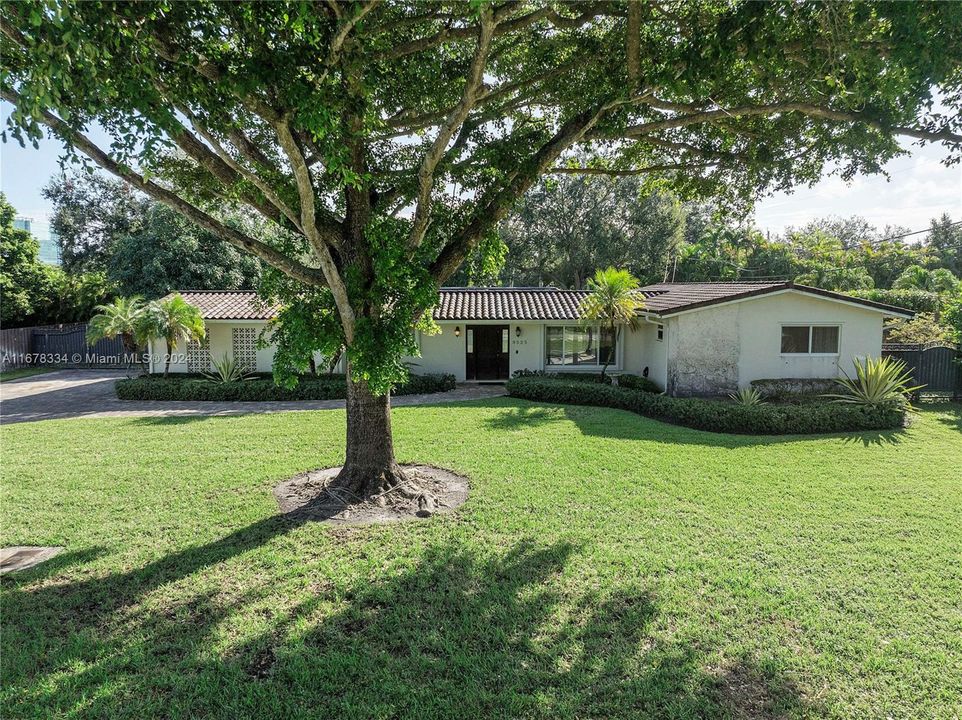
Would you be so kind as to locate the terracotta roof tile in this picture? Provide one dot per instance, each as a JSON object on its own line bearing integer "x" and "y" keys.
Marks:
{"x": 540, "y": 303}
{"x": 508, "y": 304}
{"x": 229, "y": 305}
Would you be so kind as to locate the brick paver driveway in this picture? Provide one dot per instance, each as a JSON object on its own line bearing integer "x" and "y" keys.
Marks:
{"x": 90, "y": 393}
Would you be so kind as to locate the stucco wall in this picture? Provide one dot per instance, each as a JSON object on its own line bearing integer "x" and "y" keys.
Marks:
{"x": 703, "y": 352}
{"x": 860, "y": 335}
{"x": 717, "y": 349}
{"x": 220, "y": 338}
{"x": 642, "y": 349}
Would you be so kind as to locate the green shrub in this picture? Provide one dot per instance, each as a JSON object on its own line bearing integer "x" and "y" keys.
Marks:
{"x": 747, "y": 396}
{"x": 878, "y": 383}
{"x": 712, "y": 415}
{"x": 261, "y": 388}
{"x": 584, "y": 377}
{"x": 794, "y": 390}
{"x": 910, "y": 299}
{"x": 636, "y": 382}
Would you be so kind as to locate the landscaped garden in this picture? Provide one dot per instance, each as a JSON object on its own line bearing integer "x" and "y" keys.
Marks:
{"x": 604, "y": 565}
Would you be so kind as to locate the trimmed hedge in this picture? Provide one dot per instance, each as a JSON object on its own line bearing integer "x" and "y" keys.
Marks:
{"x": 263, "y": 388}
{"x": 636, "y": 382}
{"x": 582, "y": 377}
{"x": 712, "y": 415}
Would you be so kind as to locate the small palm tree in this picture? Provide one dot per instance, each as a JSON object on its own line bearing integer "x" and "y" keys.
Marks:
{"x": 173, "y": 319}
{"x": 121, "y": 318}
{"x": 614, "y": 302}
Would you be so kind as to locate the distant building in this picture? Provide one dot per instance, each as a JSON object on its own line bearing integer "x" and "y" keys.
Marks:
{"x": 49, "y": 250}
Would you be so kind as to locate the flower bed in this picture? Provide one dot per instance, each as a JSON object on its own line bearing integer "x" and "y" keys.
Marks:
{"x": 711, "y": 415}
{"x": 262, "y": 388}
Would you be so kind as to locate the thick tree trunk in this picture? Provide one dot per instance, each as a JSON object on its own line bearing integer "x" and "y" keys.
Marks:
{"x": 369, "y": 464}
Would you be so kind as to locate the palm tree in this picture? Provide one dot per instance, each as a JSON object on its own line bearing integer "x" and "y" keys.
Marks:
{"x": 614, "y": 302}
{"x": 121, "y": 318}
{"x": 173, "y": 319}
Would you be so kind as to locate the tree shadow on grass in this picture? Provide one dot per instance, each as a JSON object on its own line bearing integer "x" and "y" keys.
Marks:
{"x": 949, "y": 414}
{"x": 459, "y": 632}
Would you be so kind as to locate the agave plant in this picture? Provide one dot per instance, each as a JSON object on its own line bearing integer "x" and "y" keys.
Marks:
{"x": 227, "y": 370}
{"x": 878, "y": 383}
{"x": 747, "y": 396}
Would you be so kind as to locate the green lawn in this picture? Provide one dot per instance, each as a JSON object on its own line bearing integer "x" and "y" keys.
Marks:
{"x": 605, "y": 565}
{"x": 18, "y": 373}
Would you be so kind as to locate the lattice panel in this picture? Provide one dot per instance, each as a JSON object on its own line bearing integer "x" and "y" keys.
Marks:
{"x": 198, "y": 355}
{"x": 244, "y": 347}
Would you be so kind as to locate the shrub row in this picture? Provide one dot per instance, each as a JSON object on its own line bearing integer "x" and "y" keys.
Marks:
{"x": 628, "y": 380}
{"x": 636, "y": 382}
{"x": 712, "y": 415}
{"x": 263, "y": 388}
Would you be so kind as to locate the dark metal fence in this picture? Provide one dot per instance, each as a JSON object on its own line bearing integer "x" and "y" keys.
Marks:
{"x": 937, "y": 366}
{"x": 58, "y": 346}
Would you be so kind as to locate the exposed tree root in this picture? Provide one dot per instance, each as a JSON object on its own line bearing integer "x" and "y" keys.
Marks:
{"x": 412, "y": 491}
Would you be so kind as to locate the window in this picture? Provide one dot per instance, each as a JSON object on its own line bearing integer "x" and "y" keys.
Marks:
{"x": 810, "y": 339}
{"x": 661, "y": 333}
{"x": 578, "y": 345}
{"x": 198, "y": 355}
{"x": 244, "y": 347}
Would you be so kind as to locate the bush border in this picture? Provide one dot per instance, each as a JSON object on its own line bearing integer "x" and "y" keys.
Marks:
{"x": 713, "y": 415}
{"x": 262, "y": 389}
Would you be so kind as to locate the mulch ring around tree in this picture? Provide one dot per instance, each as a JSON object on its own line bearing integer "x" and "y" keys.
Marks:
{"x": 314, "y": 496}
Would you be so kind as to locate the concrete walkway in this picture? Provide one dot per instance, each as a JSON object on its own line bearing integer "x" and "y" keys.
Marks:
{"x": 90, "y": 394}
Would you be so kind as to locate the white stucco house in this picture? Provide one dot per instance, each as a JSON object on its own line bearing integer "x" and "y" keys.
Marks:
{"x": 694, "y": 338}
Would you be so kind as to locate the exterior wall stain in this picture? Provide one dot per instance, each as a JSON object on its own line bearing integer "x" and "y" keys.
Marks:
{"x": 704, "y": 353}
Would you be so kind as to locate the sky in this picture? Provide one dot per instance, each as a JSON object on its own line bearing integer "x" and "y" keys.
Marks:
{"x": 919, "y": 189}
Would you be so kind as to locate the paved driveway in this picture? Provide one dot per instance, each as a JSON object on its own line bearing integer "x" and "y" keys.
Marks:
{"x": 90, "y": 393}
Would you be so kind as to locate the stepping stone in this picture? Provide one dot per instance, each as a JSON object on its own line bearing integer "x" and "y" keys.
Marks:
{"x": 21, "y": 557}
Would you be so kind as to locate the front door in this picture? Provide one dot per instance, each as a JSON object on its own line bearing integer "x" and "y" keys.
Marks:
{"x": 487, "y": 352}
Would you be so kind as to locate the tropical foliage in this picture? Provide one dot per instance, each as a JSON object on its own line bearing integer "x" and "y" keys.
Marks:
{"x": 227, "y": 370}
{"x": 614, "y": 302}
{"x": 125, "y": 317}
{"x": 747, "y": 396}
{"x": 35, "y": 293}
{"x": 175, "y": 320}
{"x": 879, "y": 383}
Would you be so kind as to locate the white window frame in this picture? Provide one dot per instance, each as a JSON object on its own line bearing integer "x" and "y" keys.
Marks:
{"x": 596, "y": 366}
{"x": 660, "y": 332}
{"x": 811, "y": 334}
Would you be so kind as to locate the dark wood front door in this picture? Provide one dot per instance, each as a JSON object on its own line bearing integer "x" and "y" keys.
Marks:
{"x": 487, "y": 352}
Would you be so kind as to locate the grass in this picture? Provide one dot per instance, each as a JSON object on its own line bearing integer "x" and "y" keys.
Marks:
{"x": 605, "y": 565}
{"x": 18, "y": 373}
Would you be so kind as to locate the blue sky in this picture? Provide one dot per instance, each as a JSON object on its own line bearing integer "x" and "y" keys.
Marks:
{"x": 919, "y": 189}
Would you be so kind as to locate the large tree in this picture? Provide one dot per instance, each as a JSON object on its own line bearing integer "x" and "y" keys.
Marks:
{"x": 389, "y": 138}
{"x": 567, "y": 227}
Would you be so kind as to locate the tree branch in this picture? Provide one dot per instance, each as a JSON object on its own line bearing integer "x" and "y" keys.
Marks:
{"x": 309, "y": 224}
{"x": 707, "y": 116}
{"x": 495, "y": 204}
{"x": 290, "y": 267}
{"x": 422, "y": 213}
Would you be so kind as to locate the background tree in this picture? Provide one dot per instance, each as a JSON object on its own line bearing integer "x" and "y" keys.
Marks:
{"x": 34, "y": 293}
{"x": 567, "y": 227}
{"x": 168, "y": 252}
{"x": 25, "y": 282}
{"x": 390, "y": 138}
{"x": 90, "y": 213}
{"x": 144, "y": 247}
{"x": 614, "y": 302}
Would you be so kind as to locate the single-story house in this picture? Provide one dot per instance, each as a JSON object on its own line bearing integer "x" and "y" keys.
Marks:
{"x": 693, "y": 338}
